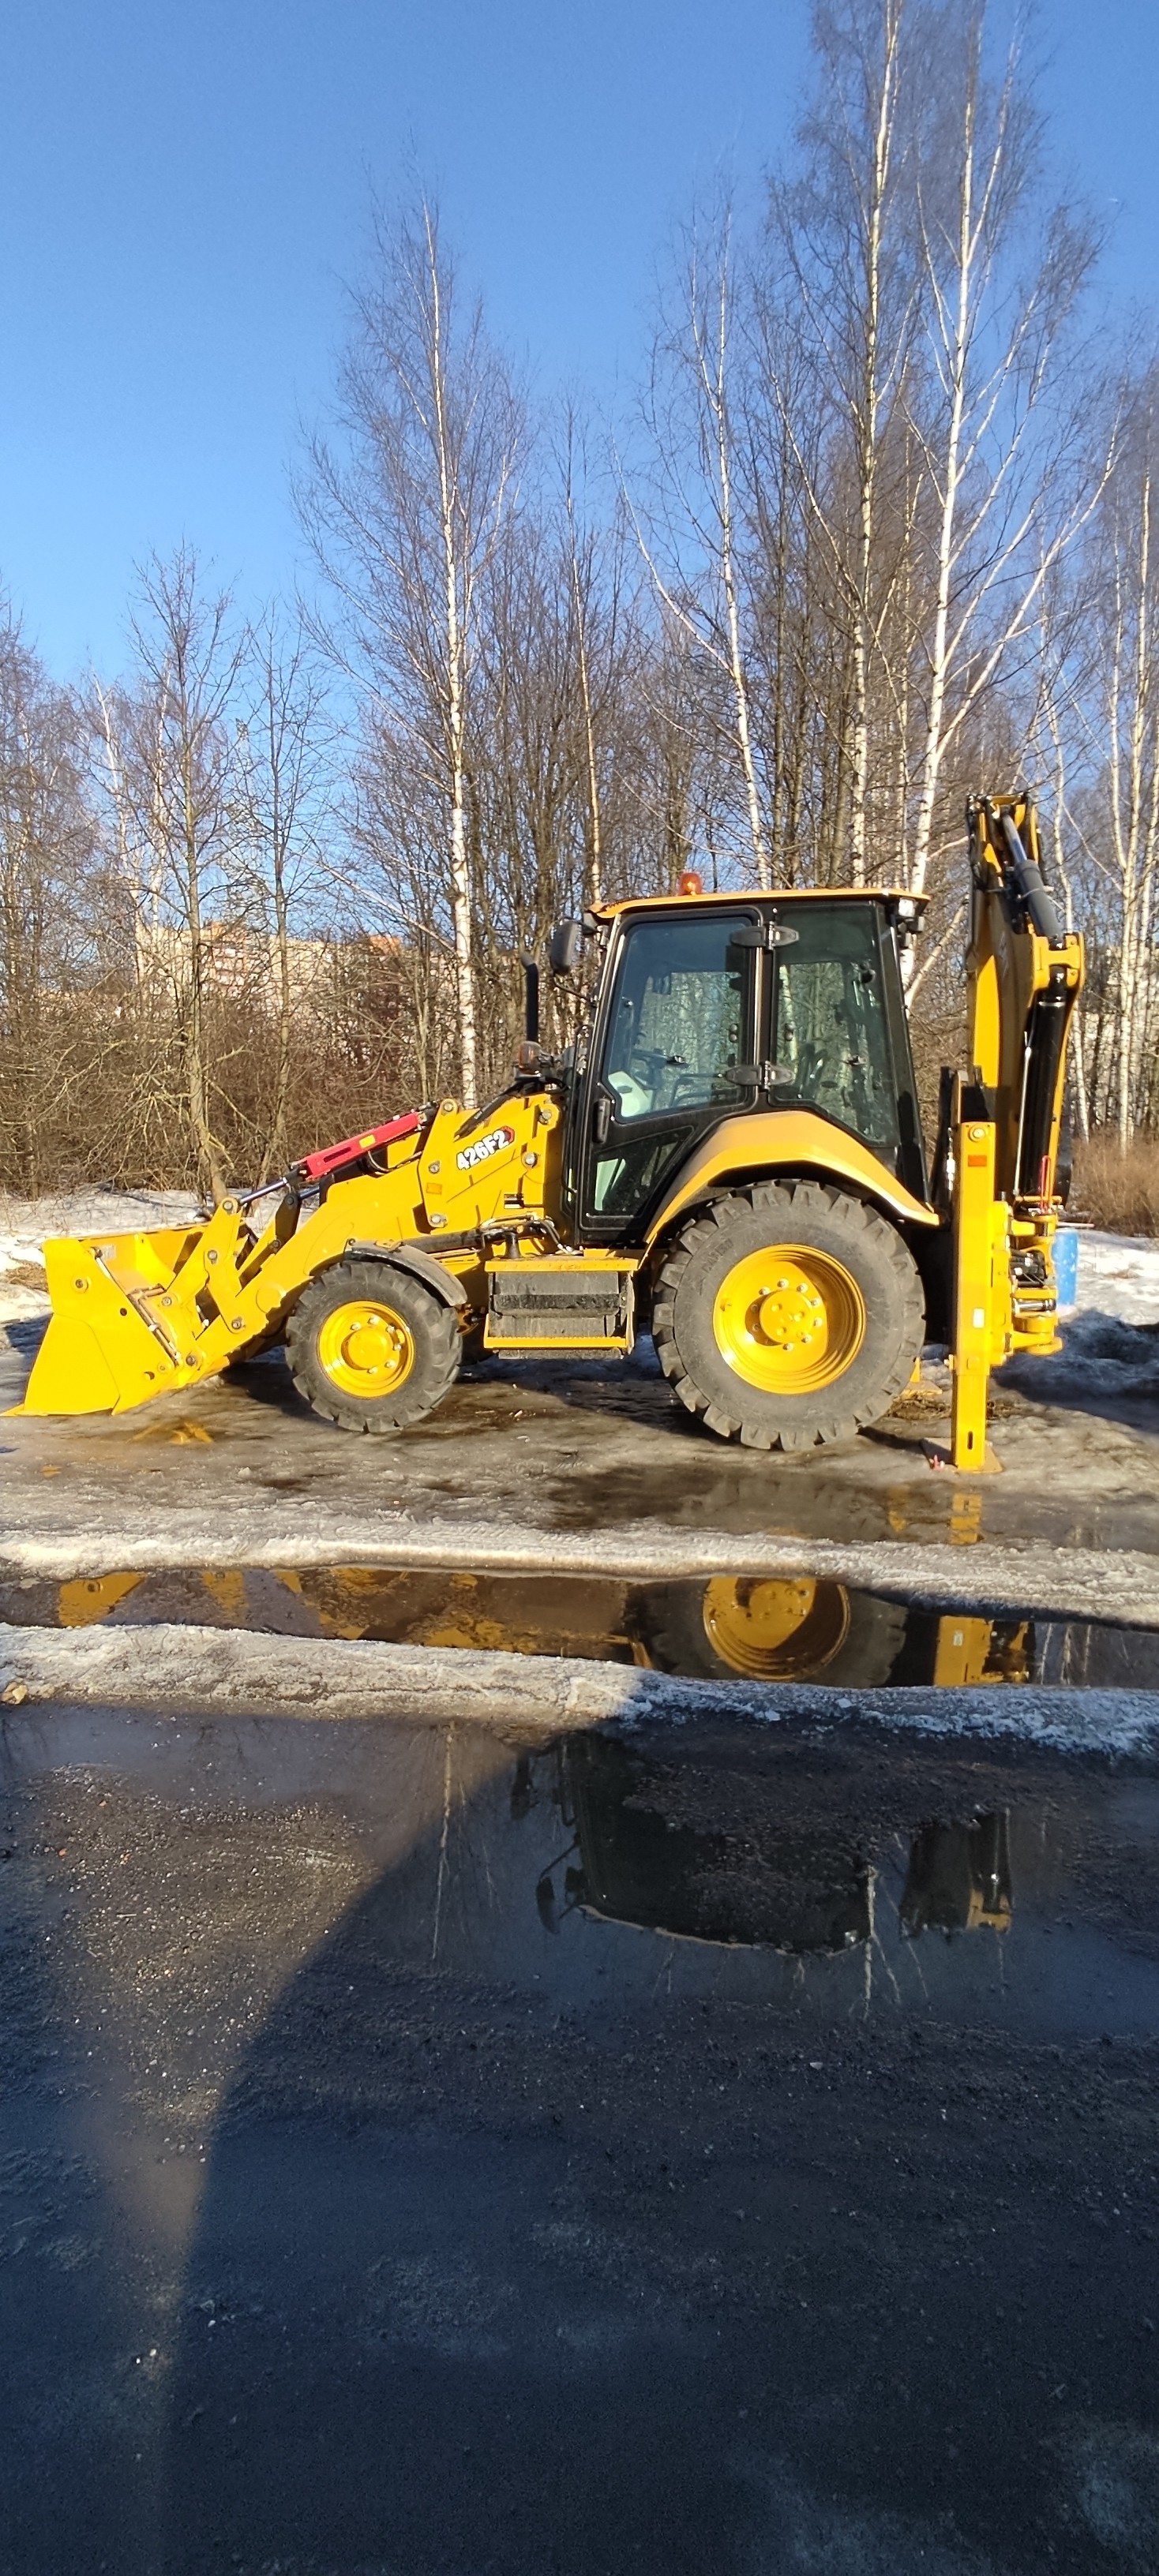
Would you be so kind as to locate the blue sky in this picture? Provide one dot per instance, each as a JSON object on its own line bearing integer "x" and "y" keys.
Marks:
{"x": 183, "y": 191}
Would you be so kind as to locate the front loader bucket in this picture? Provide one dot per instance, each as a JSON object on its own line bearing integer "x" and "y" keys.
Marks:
{"x": 108, "y": 1346}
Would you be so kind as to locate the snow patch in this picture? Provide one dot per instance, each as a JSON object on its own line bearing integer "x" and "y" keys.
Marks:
{"x": 171, "y": 1669}
{"x": 1102, "y": 1355}
{"x": 1119, "y": 1275}
{"x": 1120, "y": 1585}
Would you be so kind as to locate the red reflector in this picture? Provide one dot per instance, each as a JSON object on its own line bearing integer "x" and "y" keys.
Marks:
{"x": 977, "y": 1162}
{"x": 330, "y": 1158}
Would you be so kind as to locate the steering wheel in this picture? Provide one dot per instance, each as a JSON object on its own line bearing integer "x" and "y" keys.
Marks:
{"x": 646, "y": 1064}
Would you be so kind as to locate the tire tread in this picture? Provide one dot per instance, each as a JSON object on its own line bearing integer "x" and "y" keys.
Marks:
{"x": 795, "y": 1205}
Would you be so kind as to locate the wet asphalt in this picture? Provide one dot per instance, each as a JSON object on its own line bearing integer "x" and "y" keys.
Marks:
{"x": 423, "y": 2156}
{"x": 582, "y": 1446}
{"x": 676, "y": 2151}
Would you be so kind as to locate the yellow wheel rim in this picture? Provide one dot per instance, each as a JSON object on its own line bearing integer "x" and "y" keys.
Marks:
{"x": 789, "y": 1320}
{"x": 366, "y": 1349}
{"x": 772, "y": 1631}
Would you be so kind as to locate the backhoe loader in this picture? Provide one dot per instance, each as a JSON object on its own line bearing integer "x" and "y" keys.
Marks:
{"x": 730, "y": 1157}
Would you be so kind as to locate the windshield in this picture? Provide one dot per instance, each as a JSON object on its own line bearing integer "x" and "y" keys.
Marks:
{"x": 675, "y": 1037}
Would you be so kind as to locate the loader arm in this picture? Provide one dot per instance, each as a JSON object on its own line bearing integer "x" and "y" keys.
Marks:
{"x": 142, "y": 1315}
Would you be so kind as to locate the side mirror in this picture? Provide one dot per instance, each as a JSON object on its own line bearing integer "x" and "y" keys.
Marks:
{"x": 564, "y": 947}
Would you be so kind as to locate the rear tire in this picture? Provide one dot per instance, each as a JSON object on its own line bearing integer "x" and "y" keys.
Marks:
{"x": 788, "y": 1315}
{"x": 370, "y": 1348}
{"x": 786, "y": 1630}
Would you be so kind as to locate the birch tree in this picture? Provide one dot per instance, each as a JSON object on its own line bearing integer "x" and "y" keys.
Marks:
{"x": 1001, "y": 408}
{"x": 406, "y": 510}
{"x": 581, "y": 554}
{"x": 46, "y": 855}
{"x": 842, "y": 231}
{"x": 1130, "y": 662}
{"x": 284, "y": 773}
{"x": 174, "y": 760}
{"x": 692, "y": 539}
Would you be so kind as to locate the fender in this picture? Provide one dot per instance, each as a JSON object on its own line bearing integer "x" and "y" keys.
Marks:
{"x": 405, "y": 1256}
{"x": 759, "y": 1144}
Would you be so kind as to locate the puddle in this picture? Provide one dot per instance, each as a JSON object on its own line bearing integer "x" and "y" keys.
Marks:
{"x": 831, "y": 1874}
{"x": 796, "y": 1629}
{"x": 833, "y": 1878}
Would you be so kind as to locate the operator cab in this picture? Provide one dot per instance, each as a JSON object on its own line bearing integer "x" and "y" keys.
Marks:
{"x": 712, "y": 1009}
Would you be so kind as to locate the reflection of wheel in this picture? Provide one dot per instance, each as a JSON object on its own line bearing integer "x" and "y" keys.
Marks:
{"x": 787, "y": 1315}
{"x": 370, "y": 1347}
{"x": 795, "y": 1629}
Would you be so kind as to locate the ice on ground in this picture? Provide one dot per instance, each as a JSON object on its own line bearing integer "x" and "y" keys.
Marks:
{"x": 1111, "y": 1340}
{"x": 165, "y": 1668}
{"x": 1118, "y": 1275}
{"x": 25, "y": 1225}
{"x": 1101, "y": 1356}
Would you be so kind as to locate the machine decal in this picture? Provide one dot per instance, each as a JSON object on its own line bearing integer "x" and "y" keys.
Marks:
{"x": 483, "y": 1148}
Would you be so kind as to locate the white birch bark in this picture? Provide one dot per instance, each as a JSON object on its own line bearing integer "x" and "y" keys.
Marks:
{"x": 954, "y": 335}
{"x": 868, "y": 432}
{"x": 1012, "y": 480}
{"x": 453, "y": 585}
{"x": 1128, "y": 710}
{"x": 716, "y": 391}
{"x": 407, "y": 522}
{"x": 595, "y": 867}
{"x": 845, "y": 305}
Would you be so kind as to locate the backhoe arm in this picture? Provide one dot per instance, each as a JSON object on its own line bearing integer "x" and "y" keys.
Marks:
{"x": 1024, "y": 976}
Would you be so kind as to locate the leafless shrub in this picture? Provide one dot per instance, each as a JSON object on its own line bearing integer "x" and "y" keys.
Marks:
{"x": 1118, "y": 1190}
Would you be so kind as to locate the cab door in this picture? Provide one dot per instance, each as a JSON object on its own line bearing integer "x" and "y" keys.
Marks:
{"x": 674, "y": 1052}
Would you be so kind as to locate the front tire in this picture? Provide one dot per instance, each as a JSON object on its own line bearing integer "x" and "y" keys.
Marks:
{"x": 370, "y": 1348}
{"x": 788, "y": 1315}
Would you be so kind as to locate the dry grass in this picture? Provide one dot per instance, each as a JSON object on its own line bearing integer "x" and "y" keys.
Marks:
{"x": 1118, "y": 1191}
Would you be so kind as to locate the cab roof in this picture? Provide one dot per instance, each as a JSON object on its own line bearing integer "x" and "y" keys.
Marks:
{"x": 735, "y": 895}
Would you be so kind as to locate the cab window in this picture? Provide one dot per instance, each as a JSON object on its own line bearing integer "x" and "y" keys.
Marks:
{"x": 675, "y": 1052}
{"x": 829, "y": 1035}
{"x": 675, "y": 1037}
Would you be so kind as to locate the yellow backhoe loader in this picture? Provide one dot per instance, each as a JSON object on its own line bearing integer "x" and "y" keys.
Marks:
{"x": 730, "y": 1157}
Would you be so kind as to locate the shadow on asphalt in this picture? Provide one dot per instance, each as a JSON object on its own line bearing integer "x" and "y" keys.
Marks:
{"x": 736, "y": 2211}
{"x": 683, "y": 2151}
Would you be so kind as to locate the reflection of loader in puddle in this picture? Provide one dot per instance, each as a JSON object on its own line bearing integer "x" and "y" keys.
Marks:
{"x": 687, "y": 1849}
{"x": 800, "y": 1628}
